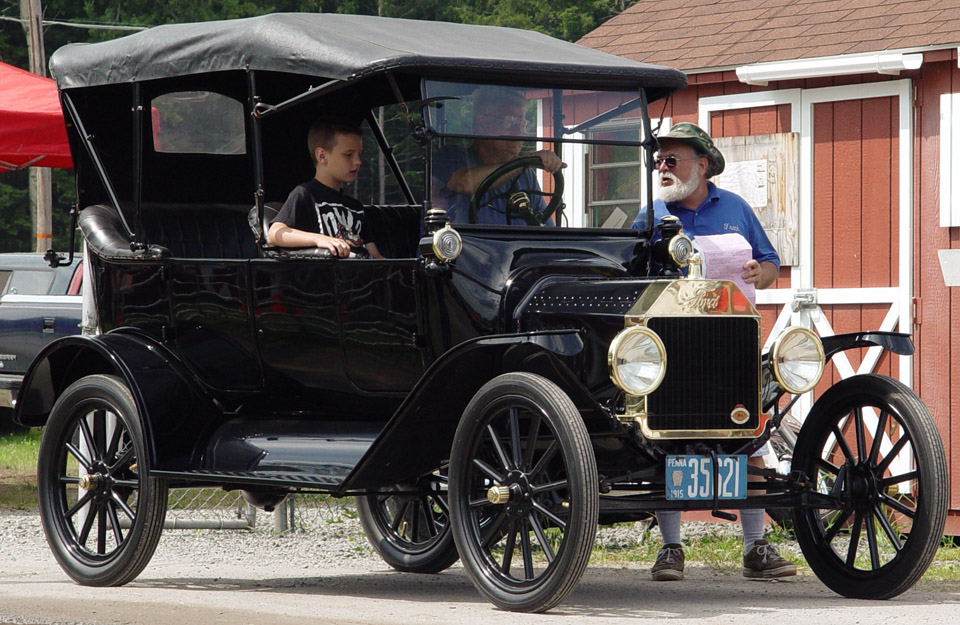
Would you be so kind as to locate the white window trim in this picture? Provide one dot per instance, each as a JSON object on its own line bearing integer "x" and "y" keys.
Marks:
{"x": 949, "y": 159}
{"x": 575, "y": 180}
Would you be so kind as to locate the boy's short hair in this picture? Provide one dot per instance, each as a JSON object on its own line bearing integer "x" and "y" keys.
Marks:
{"x": 323, "y": 133}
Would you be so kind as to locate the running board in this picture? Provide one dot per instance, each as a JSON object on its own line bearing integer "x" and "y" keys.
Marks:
{"x": 272, "y": 479}
{"x": 294, "y": 454}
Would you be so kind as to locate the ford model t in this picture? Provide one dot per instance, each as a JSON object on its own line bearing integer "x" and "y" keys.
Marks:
{"x": 487, "y": 391}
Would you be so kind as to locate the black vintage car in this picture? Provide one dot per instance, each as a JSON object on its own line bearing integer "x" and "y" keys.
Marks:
{"x": 487, "y": 392}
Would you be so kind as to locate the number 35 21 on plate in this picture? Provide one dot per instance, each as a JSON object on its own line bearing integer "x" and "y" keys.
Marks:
{"x": 691, "y": 477}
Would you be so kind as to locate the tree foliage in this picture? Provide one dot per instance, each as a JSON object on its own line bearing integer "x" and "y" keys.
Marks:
{"x": 565, "y": 19}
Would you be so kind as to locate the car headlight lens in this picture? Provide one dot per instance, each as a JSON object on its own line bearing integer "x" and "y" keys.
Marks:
{"x": 447, "y": 244}
{"x": 637, "y": 360}
{"x": 798, "y": 360}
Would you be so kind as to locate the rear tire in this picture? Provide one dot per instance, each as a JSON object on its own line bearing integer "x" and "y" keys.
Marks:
{"x": 93, "y": 471}
{"x": 410, "y": 526}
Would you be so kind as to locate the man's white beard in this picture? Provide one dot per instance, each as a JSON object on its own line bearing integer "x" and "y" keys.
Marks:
{"x": 679, "y": 191}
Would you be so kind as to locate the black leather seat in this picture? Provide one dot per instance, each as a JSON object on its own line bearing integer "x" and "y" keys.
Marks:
{"x": 176, "y": 230}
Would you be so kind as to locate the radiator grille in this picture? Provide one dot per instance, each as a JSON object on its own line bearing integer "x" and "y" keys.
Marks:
{"x": 712, "y": 365}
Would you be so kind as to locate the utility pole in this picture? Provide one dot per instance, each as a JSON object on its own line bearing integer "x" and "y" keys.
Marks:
{"x": 41, "y": 194}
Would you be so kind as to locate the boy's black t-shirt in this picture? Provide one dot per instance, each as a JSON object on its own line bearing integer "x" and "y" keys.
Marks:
{"x": 315, "y": 207}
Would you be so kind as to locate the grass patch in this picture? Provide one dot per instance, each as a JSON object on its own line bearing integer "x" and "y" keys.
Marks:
{"x": 723, "y": 551}
{"x": 946, "y": 564}
{"x": 18, "y": 469}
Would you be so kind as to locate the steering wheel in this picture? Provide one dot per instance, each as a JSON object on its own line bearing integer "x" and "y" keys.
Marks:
{"x": 515, "y": 209}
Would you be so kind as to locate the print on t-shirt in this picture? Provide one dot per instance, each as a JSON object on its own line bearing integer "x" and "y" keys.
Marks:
{"x": 334, "y": 219}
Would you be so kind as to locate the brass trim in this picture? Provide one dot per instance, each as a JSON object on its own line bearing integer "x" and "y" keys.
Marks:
{"x": 498, "y": 494}
{"x": 90, "y": 481}
{"x": 690, "y": 296}
{"x": 775, "y": 357}
{"x": 615, "y": 344}
{"x": 640, "y": 419}
{"x": 637, "y": 411}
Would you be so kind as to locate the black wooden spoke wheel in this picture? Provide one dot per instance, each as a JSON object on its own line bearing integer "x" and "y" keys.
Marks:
{"x": 523, "y": 492}
{"x": 409, "y": 525}
{"x": 102, "y": 514}
{"x": 870, "y": 444}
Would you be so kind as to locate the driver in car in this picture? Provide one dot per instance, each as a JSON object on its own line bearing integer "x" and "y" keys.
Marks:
{"x": 458, "y": 171}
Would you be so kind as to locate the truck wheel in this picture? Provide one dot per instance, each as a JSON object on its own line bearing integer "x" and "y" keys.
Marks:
{"x": 409, "y": 526}
{"x": 524, "y": 493}
{"x": 101, "y": 511}
{"x": 870, "y": 446}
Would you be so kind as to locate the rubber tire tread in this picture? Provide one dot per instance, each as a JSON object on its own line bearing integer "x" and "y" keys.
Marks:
{"x": 438, "y": 559}
{"x": 928, "y": 449}
{"x": 580, "y": 451}
{"x": 152, "y": 514}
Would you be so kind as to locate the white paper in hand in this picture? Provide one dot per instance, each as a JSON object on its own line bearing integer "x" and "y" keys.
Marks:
{"x": 723, "y": 258}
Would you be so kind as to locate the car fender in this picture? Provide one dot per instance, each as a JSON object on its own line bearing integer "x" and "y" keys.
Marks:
{"x": 895, "y": 342}
{"x": 173, "y": 408}
{"x": 427, "y": 420}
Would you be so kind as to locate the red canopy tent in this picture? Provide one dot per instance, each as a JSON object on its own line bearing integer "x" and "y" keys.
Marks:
{"x": 32, "y": 131}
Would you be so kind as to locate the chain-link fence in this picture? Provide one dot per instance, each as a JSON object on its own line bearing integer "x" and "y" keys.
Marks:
{"x": 208, "y": 508}
{"x": 215, "y": 508}
{"x": 316, "y": 508}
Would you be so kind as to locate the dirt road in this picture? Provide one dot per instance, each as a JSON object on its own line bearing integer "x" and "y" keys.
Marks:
{"x": 329, "y": 575}
{"x": 194, "y": 594}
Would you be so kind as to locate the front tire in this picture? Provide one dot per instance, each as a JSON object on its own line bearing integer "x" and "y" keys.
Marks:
{"x": 524, "y": 494}
{"x": 101, "y": 511}
{"x": 870, "y": 444}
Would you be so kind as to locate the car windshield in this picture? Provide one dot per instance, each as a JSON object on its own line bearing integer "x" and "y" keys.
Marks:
{"x": 480, "y": 127}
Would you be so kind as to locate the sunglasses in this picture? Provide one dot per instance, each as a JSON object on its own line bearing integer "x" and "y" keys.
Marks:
{"x": 512, "y": 122}
{"x": 671, "y": 161}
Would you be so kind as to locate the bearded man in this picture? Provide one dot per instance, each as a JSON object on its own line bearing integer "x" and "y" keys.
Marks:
{"x": 685, "y": 161}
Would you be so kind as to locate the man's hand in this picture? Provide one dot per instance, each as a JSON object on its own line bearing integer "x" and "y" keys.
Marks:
{"x": 551, "y": 162}
{"x": 761, "y": 275}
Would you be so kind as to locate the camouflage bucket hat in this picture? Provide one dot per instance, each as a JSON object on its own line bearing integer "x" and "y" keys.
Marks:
{"x": 695, "y": 137}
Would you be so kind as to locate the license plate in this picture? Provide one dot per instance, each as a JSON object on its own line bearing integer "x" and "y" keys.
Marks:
{"x": 691, "y": 477}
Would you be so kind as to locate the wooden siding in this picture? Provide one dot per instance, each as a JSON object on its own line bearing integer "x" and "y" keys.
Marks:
{"x": 937, "y": 324}
{"x": 856, "y": 190}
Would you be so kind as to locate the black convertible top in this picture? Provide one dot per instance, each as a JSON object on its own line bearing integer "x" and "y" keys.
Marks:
{"x": 349, "y": 47}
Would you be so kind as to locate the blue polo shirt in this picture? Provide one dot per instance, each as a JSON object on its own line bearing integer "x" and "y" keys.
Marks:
{"x": 721, "y": 213}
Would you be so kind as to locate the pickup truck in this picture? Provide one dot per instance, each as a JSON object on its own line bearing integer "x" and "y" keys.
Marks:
{"x": 38, "y": 304}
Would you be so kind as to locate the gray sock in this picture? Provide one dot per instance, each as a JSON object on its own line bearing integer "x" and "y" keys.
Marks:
{"x": 669, "y": 522}
{"x": 752, "y": 521}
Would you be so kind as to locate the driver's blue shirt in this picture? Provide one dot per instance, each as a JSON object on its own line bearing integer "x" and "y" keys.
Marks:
{"x": 721, "y": 213}
{"x": 449, "y": 159}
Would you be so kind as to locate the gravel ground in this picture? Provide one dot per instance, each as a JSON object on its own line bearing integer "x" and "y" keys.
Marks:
{"x": 326, "y": 573}
{"x": 333, "y": 539}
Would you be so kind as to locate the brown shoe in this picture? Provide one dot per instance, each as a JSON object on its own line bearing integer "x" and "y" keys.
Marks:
{"x": 763, "y": 561}
{"x": 669, "y": 564}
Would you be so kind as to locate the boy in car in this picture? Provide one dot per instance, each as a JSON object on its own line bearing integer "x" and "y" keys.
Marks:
{"x": 318, "y": 213}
